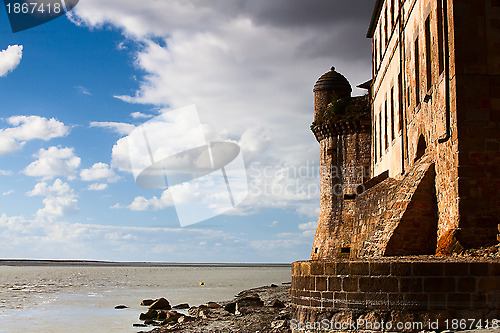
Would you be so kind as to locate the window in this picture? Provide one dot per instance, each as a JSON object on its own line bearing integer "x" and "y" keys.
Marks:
{"x": 380, "y": 132}
{"x": 440, "y": 32}
{"x": 417, "y": 73}
{"x": 387, "y": 28}
{"x": 393, "y": 11}
{"x": 393, "y": 116}
{"x": 386, "y": 118}
{"x": 428, "y": 52}
{"x": 375, "y": 142}
{"x": 400, "y": 111}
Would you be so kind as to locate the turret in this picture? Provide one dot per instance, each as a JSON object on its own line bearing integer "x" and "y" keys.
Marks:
{"x": 342, "y": 127}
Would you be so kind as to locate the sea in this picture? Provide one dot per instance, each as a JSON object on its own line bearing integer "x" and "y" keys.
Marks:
{"x": 46, "y": 298}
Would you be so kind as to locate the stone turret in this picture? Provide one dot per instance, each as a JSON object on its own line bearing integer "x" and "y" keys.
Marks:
{"x": 342, "y": 127}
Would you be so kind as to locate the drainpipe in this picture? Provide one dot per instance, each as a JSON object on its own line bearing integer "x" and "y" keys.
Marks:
{"x": 401, "y": 85}
{"x": 447, "y": 73}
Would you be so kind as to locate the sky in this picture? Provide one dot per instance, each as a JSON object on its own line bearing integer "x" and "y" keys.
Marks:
{"x": 74, "y": 88}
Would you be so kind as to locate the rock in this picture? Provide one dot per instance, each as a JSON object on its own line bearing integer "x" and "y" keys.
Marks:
{"x": 277, "y": 304}
{"x": 151, "y": 322}
{"x": 160, "y": 304}
{"x": 279, "y": 324}
{"x": 230, "y": 307}
{"x": 204, "y": 313}
{"x": 171, "y": 317}
{"x": 139, "y": 325}
{"x": 147, "y": 302}
{"x": 185, "y": 319}
{"x": 274, "y": 286}
{"x": 151, "y": 314}
{"x": 119, "y": 307}
{"x": 181, "y": 306}
{"x": 253, "y": 300}
{"x": 212, "y": 305}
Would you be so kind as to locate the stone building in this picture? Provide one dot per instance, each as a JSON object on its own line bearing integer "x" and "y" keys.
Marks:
{"x": 413, "y": 168}
{"x": 408, "y": 171}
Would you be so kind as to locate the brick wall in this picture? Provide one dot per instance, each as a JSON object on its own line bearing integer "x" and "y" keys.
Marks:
{"x": 459, "y": 289}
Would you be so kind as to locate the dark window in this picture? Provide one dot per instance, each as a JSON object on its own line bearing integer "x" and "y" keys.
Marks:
{"x": 417, "y": 73}
{"x": 349, "y": 196}
{"x": 428, "y": 52}
{"x": 375, "y": 142}
{"x": 393, "y": 116}
{"x": 440, "y": 32}
{"x": 393, "y": 11}
{"x": 380, "y": 132}
{"x": 387, "y": 29}
{"x": 345, "y": 250}
{"x": 386, "y": 140}
{"x": 400, "y": 111}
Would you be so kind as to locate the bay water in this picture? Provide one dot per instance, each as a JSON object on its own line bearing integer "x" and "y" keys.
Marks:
{"x": 83, "y": 298}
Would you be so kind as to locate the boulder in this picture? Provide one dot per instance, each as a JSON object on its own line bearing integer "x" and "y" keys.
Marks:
{"x": 185, "y": 319}
{"x": 212, "y": 305}
{"x": 160, "y": 304}
{"x": 230, "y": 307}
{"x": 151, "y": 314}
{"x": 171, "y": 317}
{"x": 119, "y": 307}
{"x": 181, "y": 306}
{"x": 151, "y": 322}
{"x": 139, "y": 325}
{"x": 147, "y": 302}
{"x": 253, "y": 300}
{"x": 274, "y": 286}
{"x": 277, "y": 304}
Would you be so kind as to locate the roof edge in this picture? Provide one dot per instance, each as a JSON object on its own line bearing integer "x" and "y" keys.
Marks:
{"x": 376, "y": 14}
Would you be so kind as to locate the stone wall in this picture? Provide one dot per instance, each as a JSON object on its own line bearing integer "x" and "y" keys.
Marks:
{"x": 396, "y": 290}
{"x": 477, "y": 27}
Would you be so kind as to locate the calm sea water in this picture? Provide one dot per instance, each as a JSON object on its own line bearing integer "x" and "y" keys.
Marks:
{"x": 82, "y": 299}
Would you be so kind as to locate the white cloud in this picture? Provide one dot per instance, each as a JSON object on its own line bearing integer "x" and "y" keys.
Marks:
{"x": 84, "y": 91}
{"x": 98, "y": 187}
{"x": 99, "y": 172}
{"x": 120, "y": 128}
{"x": 5, "y": 172}
{"x": 52, "y": 239}
{"x": 54, "y": 162}
{"x": 247, "y": 88}
{"x": 139, "y": 115}
{"x": 142, "y": 204}
{"x": 8, "y": 193}
{"x": 10, "y": 59}
{"x": 309, "y": 228}
{"x": 59, "y": 199}
{"x": 26, "y": 128}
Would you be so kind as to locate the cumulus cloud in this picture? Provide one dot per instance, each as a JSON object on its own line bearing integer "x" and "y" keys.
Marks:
{"x": 59, "y": 199}
{"x": 99, "y": 172}
{"x": 10, "y": 59}
{"x": 120, "y": 128}
{"x": 54, "y": 162}
{"x": 140, "y": 115}
{"x": 142, "y": 204}
{"x": 98, "y": 187}
{"x": 44, "y": 238}
{"x": 26, "y": 128}
{"x": 249, "y": 89}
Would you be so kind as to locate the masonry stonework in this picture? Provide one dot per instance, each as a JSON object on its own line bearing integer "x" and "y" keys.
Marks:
{"x": 410, "y": 171}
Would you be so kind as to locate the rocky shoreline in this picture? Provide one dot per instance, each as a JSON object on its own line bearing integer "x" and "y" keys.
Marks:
{"x": 264, "y": 310}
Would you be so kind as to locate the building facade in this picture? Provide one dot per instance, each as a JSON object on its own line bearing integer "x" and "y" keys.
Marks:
{"x": 435, "y": 136}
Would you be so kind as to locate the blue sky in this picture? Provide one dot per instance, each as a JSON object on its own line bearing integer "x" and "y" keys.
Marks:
{"x": 72, "y": 88}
